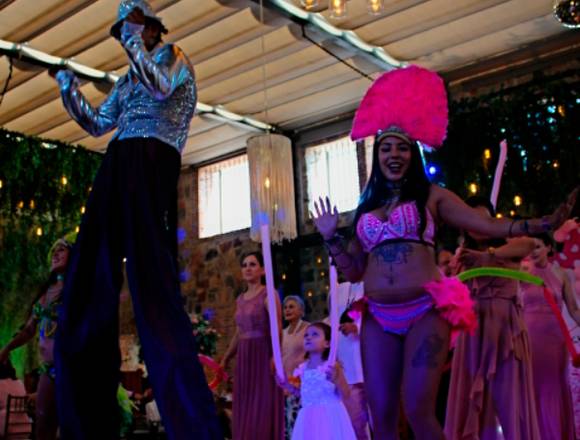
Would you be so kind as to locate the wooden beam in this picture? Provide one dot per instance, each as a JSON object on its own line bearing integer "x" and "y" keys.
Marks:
{"x": 535, "y": 56}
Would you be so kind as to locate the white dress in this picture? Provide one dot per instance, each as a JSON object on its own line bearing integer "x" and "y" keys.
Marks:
{"x": 323, "y": 415}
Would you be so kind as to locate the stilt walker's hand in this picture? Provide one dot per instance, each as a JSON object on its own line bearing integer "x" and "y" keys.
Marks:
{"x": 326, "y": 218}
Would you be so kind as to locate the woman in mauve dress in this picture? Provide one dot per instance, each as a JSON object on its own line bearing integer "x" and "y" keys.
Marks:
{"x": 258, "y": 412}
{"x": 549, "y": 354}
{"x": 491, "y": 373}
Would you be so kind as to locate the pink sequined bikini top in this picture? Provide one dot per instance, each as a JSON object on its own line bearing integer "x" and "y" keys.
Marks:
{"x": 402, "y": 225}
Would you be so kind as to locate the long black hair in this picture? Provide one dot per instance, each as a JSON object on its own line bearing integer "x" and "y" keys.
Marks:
{"x": 416, "y": 186}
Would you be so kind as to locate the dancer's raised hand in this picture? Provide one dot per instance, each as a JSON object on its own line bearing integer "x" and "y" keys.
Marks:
{"x": 562, "y": 212}
{"x": 326, "y": 218}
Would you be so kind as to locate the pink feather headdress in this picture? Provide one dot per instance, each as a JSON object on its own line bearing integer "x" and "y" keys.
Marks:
{"x": 412, "y": 99}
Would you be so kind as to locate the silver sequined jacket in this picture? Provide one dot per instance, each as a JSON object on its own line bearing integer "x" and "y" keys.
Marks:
{"x": 156, "y": 98}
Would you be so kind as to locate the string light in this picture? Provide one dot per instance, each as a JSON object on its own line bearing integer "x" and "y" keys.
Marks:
{"x": 498, "y": 215}
{"x": 375, "y": 7}
{"x": 473, "y": 188}
{"x": 512, "y": 213}
{"x": 487, "y": 154}
{"x": 319, "y": 260}
{"x": 31, "y": 204}
{"x": 309, "y": 294}
{"x": 337, "y": 8}
{"x": 21, "y": 204}
{"x": 1, "y": 184}
{"x": 309, "y": 4}
{"x": 517, "y": 200}
{"x": 322, "y": 274}
{"x": 64, "y": 180}
{"x": 267, "y": 183}
{"x": 77, "y": 229}
{"x": 283, "y": 276}
{"x": 562, "y": 110}
{"x": 555, "y": 165}
{"x": 82, "y": 209}
{"x": 39, "y": 231}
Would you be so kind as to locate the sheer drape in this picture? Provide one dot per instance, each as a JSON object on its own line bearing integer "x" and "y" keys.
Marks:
{"x": 224, "y": 197}
{"x": 332, "y": 170}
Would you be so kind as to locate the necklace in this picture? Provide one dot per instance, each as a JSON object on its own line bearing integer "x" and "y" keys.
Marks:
{"x": 394, "y": 194}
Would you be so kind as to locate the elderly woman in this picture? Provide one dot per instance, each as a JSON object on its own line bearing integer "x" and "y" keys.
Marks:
{"x": 292, "y": 351}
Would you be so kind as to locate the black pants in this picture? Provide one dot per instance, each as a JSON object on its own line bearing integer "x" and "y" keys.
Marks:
{"x": 131, "y": 212}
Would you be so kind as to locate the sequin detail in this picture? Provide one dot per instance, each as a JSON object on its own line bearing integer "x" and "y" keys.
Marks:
{"x": 403, "y": 223}
{"x": 159, "y": 104}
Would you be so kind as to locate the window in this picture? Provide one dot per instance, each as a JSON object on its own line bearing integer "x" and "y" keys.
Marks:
{"x": 332, "y": 170}
{"x": 224, "y": 197}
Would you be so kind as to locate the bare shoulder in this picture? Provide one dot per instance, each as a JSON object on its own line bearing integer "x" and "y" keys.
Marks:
{"x": 436, "y": 194}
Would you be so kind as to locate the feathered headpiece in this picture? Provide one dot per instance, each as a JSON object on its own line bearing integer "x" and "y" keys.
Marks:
{"x": 412, "y": 100}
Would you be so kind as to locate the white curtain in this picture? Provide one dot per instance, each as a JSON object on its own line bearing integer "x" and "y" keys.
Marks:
{"x": 332, "y": 170}
{"x": 224, "y": 197}
{"x": 272, "y": 186}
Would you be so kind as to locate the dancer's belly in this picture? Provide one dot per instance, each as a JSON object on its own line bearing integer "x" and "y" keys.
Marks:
{"x": 397, "y": 272}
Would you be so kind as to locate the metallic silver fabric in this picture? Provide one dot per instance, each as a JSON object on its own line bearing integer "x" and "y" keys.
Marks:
{"x": 156, "y": 98}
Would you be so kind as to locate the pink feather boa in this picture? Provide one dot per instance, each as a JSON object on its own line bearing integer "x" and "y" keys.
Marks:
{"x": 412, "y": 99}
{"x": 454, "y": 303}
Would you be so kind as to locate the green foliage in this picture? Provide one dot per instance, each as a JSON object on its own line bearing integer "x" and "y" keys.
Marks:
{"x": 33, "y": 196}
{"x": 539, "y": 120}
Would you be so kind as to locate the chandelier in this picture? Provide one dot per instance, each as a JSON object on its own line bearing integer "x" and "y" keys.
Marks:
{"x": 567, "y": 12}
{"x": 338, "y": 8}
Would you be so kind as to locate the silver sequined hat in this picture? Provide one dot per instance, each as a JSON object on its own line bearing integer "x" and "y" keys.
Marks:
{"x": 125, "y": 8}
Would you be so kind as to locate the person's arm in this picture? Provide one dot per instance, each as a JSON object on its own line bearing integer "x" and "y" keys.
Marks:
{"x": 287, "y": 386}
{"x": 569, "y": 295}
{"x": 160, "y": 76}
{"x": 231, "y": 351}
{"x": 23, "y": 336}
{"x": 515, "y": 249}
{"x": 350, "y": 261}
{"x": 95, "y": 121}
{"x": 336, "y": 376}
{"x": 455, "y": 212}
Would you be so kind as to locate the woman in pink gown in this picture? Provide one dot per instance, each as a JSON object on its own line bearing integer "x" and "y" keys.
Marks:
{"x": 258, "y": 412}
{"x": 549, "y": 355}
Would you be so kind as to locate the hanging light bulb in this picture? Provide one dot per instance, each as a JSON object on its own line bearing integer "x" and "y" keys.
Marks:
{"x": 337, "y": 8}
{"x": 567, "y": 12}
{"x": 473, "y": 188}
{"x": 309, "y": 4}
{"x": 375, "y": 7}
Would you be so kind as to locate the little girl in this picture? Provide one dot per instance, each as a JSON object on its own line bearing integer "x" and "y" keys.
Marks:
{"x": 323, "y": 415}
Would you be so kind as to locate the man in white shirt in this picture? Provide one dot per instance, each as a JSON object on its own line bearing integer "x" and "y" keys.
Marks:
{"x": 350, "y": 358}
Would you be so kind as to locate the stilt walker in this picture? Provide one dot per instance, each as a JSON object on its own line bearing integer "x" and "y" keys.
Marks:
{"x": 131, "y": 213}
